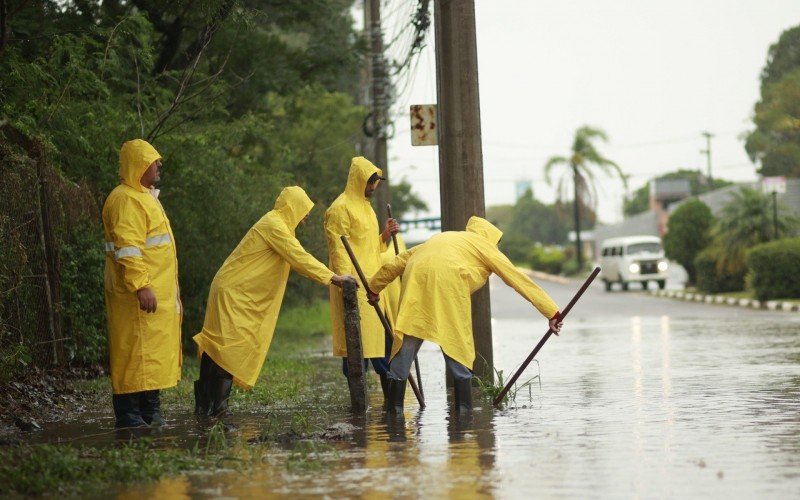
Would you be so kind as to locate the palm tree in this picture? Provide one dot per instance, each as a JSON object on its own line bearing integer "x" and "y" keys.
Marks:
{"x": 582, "y": 158}
{"x": 746, "y": 221}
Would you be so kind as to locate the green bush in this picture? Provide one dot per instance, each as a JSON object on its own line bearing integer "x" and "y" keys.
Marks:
{"x": 688, "y": 235}
{"x": 710, "y": 279}
{"x": 83, "y": 262}
{"x": 775, "y": 269}
{"x": 549, "y": 260}
{"x": 517, "y": 248}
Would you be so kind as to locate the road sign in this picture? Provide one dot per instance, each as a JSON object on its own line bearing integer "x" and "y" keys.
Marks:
{"x": 773, "y": 184}
{"x": 423, "y": 125}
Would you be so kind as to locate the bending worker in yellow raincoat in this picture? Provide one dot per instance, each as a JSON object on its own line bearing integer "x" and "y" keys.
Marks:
{"x": 438, "y": 279}
{"x": 141, "y": 290}
{"x": 352, "y": 215}
{"x": 245, "y": 299}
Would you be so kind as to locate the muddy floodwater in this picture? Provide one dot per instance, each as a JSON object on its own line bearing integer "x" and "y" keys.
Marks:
{"x": 701, "y": 401}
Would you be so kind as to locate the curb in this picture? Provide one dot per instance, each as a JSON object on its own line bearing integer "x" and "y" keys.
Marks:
{"x": 772, "y": 305}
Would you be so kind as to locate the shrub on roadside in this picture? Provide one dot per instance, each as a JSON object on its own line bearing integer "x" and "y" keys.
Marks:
{"x": 688, "y": 235}
{"x": 517, "y": 248}
{"x": 775, "y": 269}
{"x": 712, "y": 279}
{"x": 549, "y": 260}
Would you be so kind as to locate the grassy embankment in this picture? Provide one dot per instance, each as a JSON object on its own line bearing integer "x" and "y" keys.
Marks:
{"x": 291, "y": 386}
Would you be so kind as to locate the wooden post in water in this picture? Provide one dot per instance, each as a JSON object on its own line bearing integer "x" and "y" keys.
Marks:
{"x": 356, "y": 381}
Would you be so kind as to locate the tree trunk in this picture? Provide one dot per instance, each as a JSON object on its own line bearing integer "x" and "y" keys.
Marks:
{"x": 578, "y": 253}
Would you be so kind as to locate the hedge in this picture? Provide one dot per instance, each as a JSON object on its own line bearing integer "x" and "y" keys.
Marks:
{"x": 710, "y": 280}
{"x": 775, "y": 269}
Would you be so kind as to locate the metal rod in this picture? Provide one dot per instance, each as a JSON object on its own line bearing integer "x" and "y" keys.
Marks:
{"x": 533, "y": 353}
{"x": 386, "y": 326}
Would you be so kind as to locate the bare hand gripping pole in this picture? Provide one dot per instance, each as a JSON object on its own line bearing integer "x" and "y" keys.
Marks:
{"x": 380, "y": 314}
{"x": 533, "y": 353}
{"x": 397, "y": 252}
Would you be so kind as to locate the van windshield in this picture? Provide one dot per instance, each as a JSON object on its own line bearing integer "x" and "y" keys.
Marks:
{"x": 644, "y": 248}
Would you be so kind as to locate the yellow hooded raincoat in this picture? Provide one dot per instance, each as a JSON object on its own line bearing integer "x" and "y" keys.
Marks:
{"x": 145, "y": 348}
{"x": 439, "y": 277}
{"x": 246, "y": 294}
{"x": 352, "y": 215}
{"x": 391, "y": 294}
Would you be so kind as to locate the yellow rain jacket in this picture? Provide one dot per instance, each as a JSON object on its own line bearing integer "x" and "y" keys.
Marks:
{"x": 391, "y": 294}
{"x": 246, "y": 294}
{"x": 145, "y": 348}
{"x": 352, "y": 215}
{"x": 439, "y": 277}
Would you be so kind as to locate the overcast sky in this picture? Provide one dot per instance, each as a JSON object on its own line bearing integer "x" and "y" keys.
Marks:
{"x": 652, "y": 74}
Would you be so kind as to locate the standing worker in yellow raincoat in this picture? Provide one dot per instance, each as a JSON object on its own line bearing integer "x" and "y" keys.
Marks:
{"x": 141, "y": 290}
{"x": 351, "y": 215}
{"x": 438, "y": 279}
{"x": 245, "y": 299}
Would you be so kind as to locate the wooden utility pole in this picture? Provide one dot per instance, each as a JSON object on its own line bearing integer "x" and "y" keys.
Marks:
{"x": 707, "y": 152}
{"x": 460, "y": 153}
{"x": 379, "y": 101}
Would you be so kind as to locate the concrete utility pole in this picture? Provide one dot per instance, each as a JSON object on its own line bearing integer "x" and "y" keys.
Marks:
{"x": 707, "y": 152}
{"x": 460, "y": 153}
{"x": 380, "y": 102}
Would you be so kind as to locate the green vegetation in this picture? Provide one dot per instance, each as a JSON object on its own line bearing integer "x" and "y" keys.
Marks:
{"x": 775, "y": 141}
{"x": 775, "y": 269}
{"x": 688, "y": 234}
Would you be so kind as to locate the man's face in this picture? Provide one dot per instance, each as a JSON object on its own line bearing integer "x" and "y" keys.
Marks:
{"x": 370, "y": 189}
{"x": 152, "y": 175}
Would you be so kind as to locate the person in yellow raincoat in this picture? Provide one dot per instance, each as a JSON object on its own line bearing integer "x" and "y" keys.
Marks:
{"x": 351, "y": 215}
{"x": 438, "y": 279}
{"x": 245, "y": 299}
{"x": 141, "y": 290}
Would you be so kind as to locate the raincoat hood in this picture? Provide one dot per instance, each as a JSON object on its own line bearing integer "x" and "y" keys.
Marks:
{"x": 361, "y": 170}
{"x": 134, "y": 158}
{"x": 293, "y": 204}
{"x": 484, "y": 228}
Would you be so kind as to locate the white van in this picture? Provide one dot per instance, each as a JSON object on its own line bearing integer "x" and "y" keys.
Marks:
{"x": 633, "y": 259}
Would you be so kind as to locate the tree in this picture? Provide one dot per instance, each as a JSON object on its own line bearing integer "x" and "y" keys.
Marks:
{"x": 404, "y": 200}
{"x": 746, "y": 221}
{"x": 688, "y": 234}
{"x": 698, "y": 184}
{"x": 775, "y": 142}
{"x": 583, "y": 156}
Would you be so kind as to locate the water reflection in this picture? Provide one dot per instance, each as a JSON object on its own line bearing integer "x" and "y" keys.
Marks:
{"x": 629, "y": 406}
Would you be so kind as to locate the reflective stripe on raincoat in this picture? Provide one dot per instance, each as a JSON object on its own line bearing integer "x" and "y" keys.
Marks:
{"x": 352, "y": 215}
{"x": 246, "y": 295}
{"x": 144, "y": 348}
{"x": 439, "y": 277}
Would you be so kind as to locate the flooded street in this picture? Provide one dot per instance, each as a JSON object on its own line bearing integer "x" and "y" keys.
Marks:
{"x": 640, "y": 397}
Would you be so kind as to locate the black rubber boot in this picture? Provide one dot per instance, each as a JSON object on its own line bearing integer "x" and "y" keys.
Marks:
{"x": 397, "y": 396}
{"x": 150, "y": 405}
{"x": 200, "y": 399}
{"x": 385, "y": 388}
{"x": 462, "y": 394}
{"x": 127, "y": 410}
{"x": 220, "y": 392}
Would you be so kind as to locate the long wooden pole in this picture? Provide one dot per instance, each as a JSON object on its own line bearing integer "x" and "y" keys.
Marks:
{"x": 397, "y": 252}
{"x": 533, "y": 353}
{"x": 380, "y": 314}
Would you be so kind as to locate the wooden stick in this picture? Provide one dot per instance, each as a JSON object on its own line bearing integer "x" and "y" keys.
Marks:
{"x": 387, "y": 327}
{"x": 397, "y": 252}
{"x": 530, "y": 357}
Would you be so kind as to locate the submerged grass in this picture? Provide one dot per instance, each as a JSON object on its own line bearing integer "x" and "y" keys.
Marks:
{"x": 492, "y": 387}
{"x": 298, "y": 378}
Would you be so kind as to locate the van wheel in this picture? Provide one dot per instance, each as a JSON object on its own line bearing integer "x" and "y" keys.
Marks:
{"x": 624, "y": 286}
{"x": 644, "y": 285}
{"x": 661, "y": 284}
{"x": 608, "y": 285}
